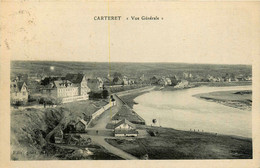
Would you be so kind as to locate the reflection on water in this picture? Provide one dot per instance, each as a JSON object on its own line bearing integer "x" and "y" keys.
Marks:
{"x": 180, "y": 110}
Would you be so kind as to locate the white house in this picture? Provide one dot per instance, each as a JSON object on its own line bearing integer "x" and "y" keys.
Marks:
{"x": 182, "y": 84}
{"x": 126, "y": 80}
{"x": 125, "y": 128}
{"x": 19, "y": 92}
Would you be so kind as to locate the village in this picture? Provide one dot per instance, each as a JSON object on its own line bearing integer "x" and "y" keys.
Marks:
{"x": 97, "y": 113}
{"x": 53, "y": 89}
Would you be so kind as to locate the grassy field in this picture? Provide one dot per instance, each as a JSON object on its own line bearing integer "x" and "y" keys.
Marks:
{"x": 236, "y": 99}
{"x": 87, "y": 106}
{"x": 175, "y": 144}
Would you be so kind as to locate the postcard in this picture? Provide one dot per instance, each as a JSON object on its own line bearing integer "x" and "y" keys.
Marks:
{"x": 130, "y": 84}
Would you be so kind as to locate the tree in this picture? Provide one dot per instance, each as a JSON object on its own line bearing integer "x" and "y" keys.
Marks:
{"x": 117, "y": 74}
{"x": 105, "y": 94}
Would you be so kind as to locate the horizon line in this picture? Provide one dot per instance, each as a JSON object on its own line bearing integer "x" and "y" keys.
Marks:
{"x": 129, "y": 62}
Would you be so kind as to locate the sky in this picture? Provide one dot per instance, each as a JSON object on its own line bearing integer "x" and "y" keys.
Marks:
{"x": 216, "y": 33}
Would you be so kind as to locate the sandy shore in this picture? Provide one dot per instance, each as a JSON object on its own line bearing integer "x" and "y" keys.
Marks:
{"x": 236, "y": 99}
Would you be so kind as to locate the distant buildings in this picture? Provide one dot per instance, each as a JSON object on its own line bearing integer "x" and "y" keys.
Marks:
{"x": 75, "y": 87}
{"x": 162, "y": 81}
{"x": 118, "y": 81}
{"x": 182, "y": 84}
{"x": 19, "y": 92}
{"x": 187, "y": 75}
{"x": 154, "y": 80}
{"x": 125, "y": 80}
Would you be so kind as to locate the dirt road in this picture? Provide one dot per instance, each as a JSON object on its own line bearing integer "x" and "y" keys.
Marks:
{"x": 99, "y": 139}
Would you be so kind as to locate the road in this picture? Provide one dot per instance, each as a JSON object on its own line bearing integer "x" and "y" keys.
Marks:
{"x": 103, "y": 133}
{"x": 106, "y": 118}
{"x": 99, "y": 138}
{"x": 139, "y": 90}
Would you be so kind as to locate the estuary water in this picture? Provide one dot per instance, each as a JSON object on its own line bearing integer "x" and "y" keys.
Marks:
{"x": 180, "y": 110}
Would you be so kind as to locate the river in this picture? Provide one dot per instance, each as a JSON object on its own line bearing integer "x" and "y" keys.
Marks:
{"x": 180, "y": 110}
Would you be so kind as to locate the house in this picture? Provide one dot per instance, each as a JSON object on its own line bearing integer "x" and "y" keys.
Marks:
{"x": 81, "y": 125}
{"x": 220, "y": 79}
{"x": 142, "y": 78}
{"x": 95, "y": 85}
{"x": 19, "y": 92}
{"x": 187, "y": 75}
{"x": 81, "y": 81}
{"x": 168, "y": 81}
{"x": 240, "y": 77}
{"x": 118, "y": 81}
{"x": 182, "y": 84}
{"x": 154, "y": 80}
{"x": 162, "y": 82}
{"x": 61, "y": 89}
{"x": 125, "y": 128}
{"x": 64, "y": 91}
{"x": 174, "y": 80}
{"x": 125, "y": 80}
{"x": 227, "y": 79}
{"x": 211, "y": 78}
{"x": 190, "y": 75}
{"x": 132, "y": 81}
{"x": 248, "y": 78}
{"x": 58, "y": 136}
{"x": 165, "y": 81}
{"x": 107, "y": 81}
{"x": 101, "y": 83}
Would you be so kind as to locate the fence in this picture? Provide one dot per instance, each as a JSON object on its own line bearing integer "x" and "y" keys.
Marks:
{"x": 74, "y": 98}
{"x": 104, "y": 108}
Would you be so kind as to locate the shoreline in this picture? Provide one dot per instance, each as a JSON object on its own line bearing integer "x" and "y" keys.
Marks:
{"x": 129, "y": 100}
{"x": 229, "y": 98}
{"x": 169, "y": 143}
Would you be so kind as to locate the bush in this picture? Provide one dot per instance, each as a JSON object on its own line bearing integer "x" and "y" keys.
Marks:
{"x": 41, "y": 101}
{"x": 19, "y": 103}
{"x": 49, "y": 101}
{"x": 99, "y": 95}
{"x": 105, "y": 94}
{"x": 31, "y": 99}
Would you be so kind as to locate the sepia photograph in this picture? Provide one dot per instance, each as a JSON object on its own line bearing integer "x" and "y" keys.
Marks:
{"x": 111, "y": 81}
{"x": 77, "y": 110}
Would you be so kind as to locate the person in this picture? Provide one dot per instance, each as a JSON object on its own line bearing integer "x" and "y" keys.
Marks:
{"x": 97, "y": 131}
